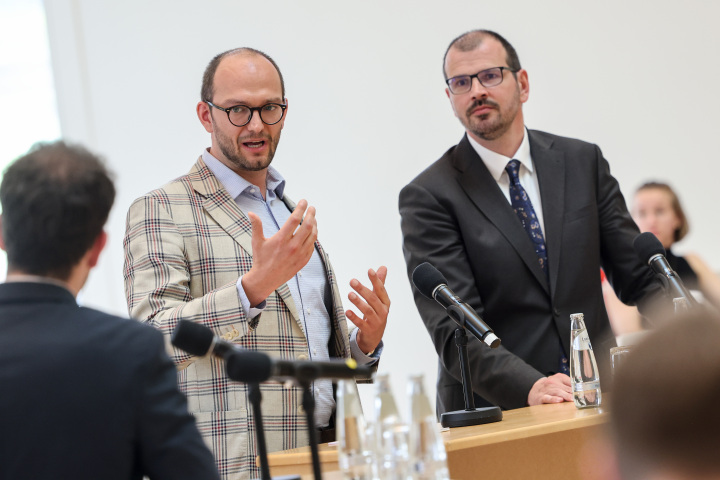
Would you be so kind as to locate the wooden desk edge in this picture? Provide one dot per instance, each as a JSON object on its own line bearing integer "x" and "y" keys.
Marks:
{"x": 328, "y": 453}
{"x": 453, "y": 444}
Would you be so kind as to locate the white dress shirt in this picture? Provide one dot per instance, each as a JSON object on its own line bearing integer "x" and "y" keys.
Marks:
{"x": 496, "y": 164}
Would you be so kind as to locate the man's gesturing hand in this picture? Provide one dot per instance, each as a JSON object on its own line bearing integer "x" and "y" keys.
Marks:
{"x": 278, "y": 258}
{"x": 374, "y": 305}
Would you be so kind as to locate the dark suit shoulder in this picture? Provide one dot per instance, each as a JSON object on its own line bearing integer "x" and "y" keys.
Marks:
{"x": 549, "y": 140}
{"x": 121, "y": 335}
{"x": 439, "y": 169}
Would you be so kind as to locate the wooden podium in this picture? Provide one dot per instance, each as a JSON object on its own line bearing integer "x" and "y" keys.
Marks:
{"x": 545, "y": 441}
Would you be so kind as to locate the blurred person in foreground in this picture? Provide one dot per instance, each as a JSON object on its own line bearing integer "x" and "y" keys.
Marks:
{"x": 663, "y": 412}
{"x": 656, "y": 208}
{"x": 83, "y": 394}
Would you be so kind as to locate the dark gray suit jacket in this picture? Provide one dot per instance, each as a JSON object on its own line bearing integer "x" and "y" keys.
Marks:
{"x": 455, "y": 217}
{"x": 86, "y": 395}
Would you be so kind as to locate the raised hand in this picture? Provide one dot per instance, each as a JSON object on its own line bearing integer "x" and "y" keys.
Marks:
{"x": 278, "y": 258}
{"x": 374, "y": 305}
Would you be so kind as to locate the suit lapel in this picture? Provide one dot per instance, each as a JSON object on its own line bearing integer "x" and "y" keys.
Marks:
{"x": 550, "y": 167}
{"x": 217, "y": 203}
{"x": 225, "y": 211}
{"x": 483, "y": 190}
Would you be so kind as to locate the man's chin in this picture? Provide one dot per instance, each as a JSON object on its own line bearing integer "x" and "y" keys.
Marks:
{"x": 254, "y": 165}
{"x": 488, "y": 132}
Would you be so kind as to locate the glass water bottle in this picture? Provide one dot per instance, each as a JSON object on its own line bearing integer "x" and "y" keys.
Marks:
{"x": 583, "y": 368}
{"x": 428, "y": 459}
{"x": 391, "y": 434}
{"x": 354, "y": 449}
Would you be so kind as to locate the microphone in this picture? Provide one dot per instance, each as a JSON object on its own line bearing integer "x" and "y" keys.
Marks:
{"x": 250, "y": 366}
{"x": 432, "y": 284}
{"x": 650, "y": 250}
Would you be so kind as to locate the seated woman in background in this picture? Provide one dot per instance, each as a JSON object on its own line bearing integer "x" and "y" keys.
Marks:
{"x": 656, "y": 208}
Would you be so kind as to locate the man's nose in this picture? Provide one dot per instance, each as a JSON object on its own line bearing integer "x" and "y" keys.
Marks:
{"x": 255, "y": 124}
{"x": 477, "y": 88}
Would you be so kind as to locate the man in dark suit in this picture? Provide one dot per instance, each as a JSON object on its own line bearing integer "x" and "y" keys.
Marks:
{"x": 83, "y": 394}
{"x": 522, "y": 242}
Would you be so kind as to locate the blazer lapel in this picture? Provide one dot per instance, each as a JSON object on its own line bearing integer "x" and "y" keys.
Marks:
{"x": 217, "y": 203}
{"x": 225, "y": 211}
{"x": 484, "y": 192}
{"x": 550, "y": 166}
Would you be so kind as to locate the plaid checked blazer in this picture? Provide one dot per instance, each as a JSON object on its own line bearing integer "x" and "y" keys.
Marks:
{"x": 186, "y": 245}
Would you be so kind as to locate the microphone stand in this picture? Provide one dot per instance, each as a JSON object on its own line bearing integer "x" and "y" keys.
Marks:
{"x": 471, "y": 415}
{"x": 255, "y": 399}
{"x": 304, "y": 377}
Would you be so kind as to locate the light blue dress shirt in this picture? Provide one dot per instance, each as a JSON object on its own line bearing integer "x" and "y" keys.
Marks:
{"x": 309, "y": 287}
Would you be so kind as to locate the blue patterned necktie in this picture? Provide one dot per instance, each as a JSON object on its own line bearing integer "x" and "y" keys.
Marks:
{"x": 526, "y": 213}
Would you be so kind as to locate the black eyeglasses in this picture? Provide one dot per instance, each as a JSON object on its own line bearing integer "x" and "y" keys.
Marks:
{"x": 240, "y": 115}
{"x": 491, "y": 77}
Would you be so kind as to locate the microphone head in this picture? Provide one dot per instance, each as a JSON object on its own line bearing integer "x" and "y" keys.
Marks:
{"x": 426, "y": 278}
{"x": 647, "y": 246}
{"x": 192, "y": 337}
{"x": 248, "y": 366}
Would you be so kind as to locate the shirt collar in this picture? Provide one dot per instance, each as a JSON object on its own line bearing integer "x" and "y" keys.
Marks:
{"x": 496, "y": 162}
{"x": 235, "y": 184}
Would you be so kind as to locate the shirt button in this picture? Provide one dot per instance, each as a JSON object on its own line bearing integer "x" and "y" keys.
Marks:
{"x": 308, "y": 311}
{"x": 314, "y": 351}
{"x": 252, "y": 190}
{"x": 299, "y": 274}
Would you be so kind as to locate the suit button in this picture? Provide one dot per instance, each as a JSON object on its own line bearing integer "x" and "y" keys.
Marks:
{"x": 301, "y": 410}
{"x": 302, "y": 356}
{"x": 556, "y": 312}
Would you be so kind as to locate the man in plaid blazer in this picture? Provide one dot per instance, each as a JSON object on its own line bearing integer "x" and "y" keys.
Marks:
{"x": 196, "y": 249}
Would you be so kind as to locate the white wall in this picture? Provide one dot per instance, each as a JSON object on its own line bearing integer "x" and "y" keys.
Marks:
{"x": 368, "y": 110}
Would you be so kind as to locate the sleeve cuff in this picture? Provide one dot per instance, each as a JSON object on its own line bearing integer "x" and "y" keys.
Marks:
{"x": 250, "y": 312}
{"x": 361, "y": 357}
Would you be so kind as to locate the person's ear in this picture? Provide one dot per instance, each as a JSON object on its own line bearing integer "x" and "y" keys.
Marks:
{"x": 97, "y": 249}
{"x": 204, "y": 115}
{"x": 2, "y": 239}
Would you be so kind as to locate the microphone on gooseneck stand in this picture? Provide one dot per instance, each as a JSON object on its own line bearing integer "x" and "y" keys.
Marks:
{"x": 432, "y": 284}
{"x": 254, "y": 367}
{"x": 251, "y": 366}
{"x": 650, "y": 250}
{"x": 199, "y": 340}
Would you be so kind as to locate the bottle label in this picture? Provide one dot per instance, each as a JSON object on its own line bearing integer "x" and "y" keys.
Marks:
{"x": 586, "y": 386}
{"x": 582, "y": 341}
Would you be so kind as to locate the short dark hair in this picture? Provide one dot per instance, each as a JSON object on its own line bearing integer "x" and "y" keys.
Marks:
{"x": 471, "y": 40}
{"x": 55, "y": 200}
{"x": 662, "y": 410}
{"x": 684, "y": 227}
{"x": 208, "y": 82}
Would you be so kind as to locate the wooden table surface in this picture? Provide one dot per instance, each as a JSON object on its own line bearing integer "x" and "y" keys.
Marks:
{"x": 544, "y": 441}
